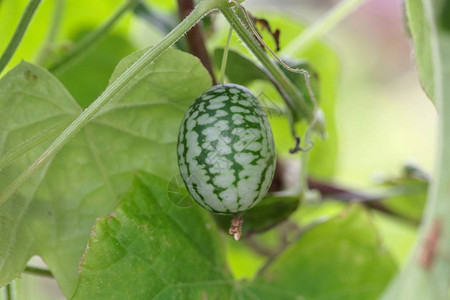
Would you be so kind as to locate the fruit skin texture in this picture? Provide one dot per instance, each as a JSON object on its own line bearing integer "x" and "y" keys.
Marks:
{"x": 226, "y": 152}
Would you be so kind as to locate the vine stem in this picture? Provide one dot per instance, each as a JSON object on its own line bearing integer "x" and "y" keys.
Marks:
{"x": 87, "y": 42}
{"x": 203, "y": 8}
{"x": 321, "y": 26}
{"x": 223, "y": 65}
{"x": 19, "y": 32}
{"x": 291, "y": 94}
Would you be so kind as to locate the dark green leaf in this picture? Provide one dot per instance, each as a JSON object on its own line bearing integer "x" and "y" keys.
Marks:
{"x": 271, "y": 211}
{"x": 150, "y": 248}
{"x": 52, "y": 214}
{"x": 240, "y": 69}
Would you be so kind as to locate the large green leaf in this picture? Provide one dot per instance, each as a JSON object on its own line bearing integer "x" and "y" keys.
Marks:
{"x": 33, "y": 106}
{"x": 52, "y": 214}
{"x": 340, "y": 259}
{"x": 150, "y": 248}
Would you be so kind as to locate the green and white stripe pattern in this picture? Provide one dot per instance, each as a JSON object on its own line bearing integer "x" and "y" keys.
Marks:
{"x": 226, "y": 152}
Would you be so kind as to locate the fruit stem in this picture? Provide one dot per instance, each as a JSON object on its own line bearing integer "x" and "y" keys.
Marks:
{"x": 236, "y": 227}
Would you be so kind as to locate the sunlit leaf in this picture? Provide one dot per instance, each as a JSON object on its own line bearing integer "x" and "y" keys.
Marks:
{"x": 149, "y": 248}
{"x": 52, "y": 214}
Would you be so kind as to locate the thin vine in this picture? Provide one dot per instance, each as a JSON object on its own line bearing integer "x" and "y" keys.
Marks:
{"x": 90, "y": 40}
{"x": 19, "y": 33}
{"x": 223, "y": 65}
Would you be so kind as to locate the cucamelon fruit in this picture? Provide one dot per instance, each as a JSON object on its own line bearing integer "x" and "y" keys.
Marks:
{"x": 226, "y": 152}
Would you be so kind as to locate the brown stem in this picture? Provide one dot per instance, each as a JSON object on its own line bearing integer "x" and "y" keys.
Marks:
{"x": 194, "y": 37}
{"x": 341, "y": 194}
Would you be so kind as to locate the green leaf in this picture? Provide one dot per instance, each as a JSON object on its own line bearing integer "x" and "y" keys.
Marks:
{"x": 271, "y": 211}
{"x": 322, "y": 58}
{"x": 150, "y": 248}
{"x": 340, "y": 259}
{"x": 52, "y": 214}
{"x": 398, "y": 236}
{"x": 299, "y": 79}
{"x": 240, "y": 69}
{"x": 419, "y": 27}
{"x": 32, "y": 104}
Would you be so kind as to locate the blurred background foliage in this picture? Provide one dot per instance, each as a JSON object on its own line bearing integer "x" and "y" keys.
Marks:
{"x": 380, "y": 124}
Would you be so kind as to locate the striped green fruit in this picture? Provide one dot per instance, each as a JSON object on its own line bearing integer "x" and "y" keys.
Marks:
{"x": 226, "y": 152}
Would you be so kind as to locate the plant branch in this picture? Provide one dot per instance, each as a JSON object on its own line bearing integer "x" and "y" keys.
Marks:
{"x": 87, "y": 42}
{"x": 19, "y": 33}
{"x": 38, "y": 271}
{"x": 195, "y": 39}
{"x": 89, "y": 113}
{"x": 321, "y": 26}
{"x": 370, "y": 201}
